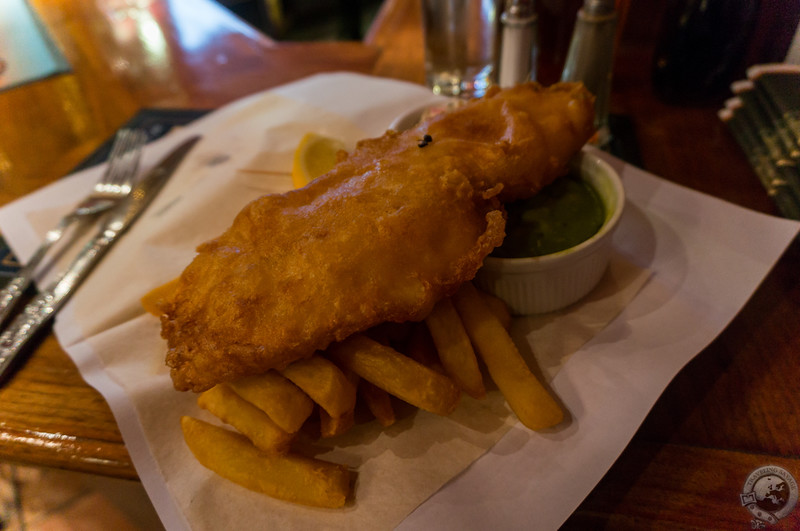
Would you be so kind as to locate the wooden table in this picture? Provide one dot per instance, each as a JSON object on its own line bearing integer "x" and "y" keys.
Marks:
{"x": 729, "y": 411}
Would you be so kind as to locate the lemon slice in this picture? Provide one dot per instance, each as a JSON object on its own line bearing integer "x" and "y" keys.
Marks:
{"x": 314, "y": 156}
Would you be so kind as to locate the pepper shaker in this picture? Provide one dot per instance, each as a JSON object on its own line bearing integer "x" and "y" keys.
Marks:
{"x": 590, "y": 58}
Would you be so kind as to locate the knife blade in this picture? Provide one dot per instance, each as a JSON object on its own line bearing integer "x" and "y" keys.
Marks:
{"x": 44, "y": 306}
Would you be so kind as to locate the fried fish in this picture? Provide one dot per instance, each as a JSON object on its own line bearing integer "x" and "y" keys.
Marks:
{"x": 397, "y": 225}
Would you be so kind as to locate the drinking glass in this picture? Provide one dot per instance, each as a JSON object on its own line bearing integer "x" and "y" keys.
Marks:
{"x": 461, "y": 45}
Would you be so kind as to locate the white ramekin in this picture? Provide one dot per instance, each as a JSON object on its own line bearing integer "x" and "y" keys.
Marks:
{"x": 554, "y": 281}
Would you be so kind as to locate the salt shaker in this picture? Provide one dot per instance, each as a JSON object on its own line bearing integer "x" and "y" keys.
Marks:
{"x": 519, "y": 43}
{"x": 590, "y": 58}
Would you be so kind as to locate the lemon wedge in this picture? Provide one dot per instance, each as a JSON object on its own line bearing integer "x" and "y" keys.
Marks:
{"x": 314, "y": 156}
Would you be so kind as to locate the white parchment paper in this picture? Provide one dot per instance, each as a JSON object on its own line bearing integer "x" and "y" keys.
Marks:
{"x": 685, "y": 264}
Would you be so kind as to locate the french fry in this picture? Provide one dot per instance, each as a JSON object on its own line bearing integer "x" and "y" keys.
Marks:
{"x": 454, "y": 348}
{"x": 378, "y": 401}
{"x": 223, "y": 402}
{"x": 324, "y": 382}
{"x": 498, "y": 307}
{"x": 287, "y": 477}
{"x": 153, "y": 301}
{"x": 397, "y": 374}
{"x": 283, "y": 401}
{"x": 333, "y": 426}
{"x": 528, "y": 398}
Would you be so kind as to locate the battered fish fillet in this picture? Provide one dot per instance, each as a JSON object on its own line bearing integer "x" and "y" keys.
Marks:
{"x": 397, "y": 225}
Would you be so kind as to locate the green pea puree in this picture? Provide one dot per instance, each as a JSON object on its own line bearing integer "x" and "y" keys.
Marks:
{"x": 562, "y": 215}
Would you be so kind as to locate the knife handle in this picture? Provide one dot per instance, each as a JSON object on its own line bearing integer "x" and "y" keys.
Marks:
{"x": 14, "y": 289}
{"x": 44, "y": 306}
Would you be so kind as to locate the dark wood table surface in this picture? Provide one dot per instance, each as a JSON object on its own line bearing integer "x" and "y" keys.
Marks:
{"x": 729, "y": 411}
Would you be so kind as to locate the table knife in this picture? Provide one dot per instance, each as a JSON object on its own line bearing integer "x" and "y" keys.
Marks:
{"x": 44, "y": 306}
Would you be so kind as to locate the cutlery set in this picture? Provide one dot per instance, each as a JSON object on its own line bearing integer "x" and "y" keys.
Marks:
{"x": 118, "y": 194}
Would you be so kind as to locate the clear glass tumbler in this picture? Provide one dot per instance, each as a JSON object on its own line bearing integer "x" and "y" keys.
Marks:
{"x": 461, "y": 45}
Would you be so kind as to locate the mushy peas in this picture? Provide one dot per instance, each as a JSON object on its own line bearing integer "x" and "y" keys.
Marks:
{"x": 562, "y": 215}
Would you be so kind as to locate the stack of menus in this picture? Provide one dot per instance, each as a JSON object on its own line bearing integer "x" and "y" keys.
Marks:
{"x": 764, "y": 117}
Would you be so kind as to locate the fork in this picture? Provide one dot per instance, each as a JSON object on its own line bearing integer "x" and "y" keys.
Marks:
{"x": 114, "y": 185}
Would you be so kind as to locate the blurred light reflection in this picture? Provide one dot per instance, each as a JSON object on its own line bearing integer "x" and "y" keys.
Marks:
{"x": 197, "y": 24}
{"x": 133, "y": 24}
{"x": 152, "y": 38}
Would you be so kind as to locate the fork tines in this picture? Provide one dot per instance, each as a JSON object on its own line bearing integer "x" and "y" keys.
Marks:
{"x": 127, "y": 145}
